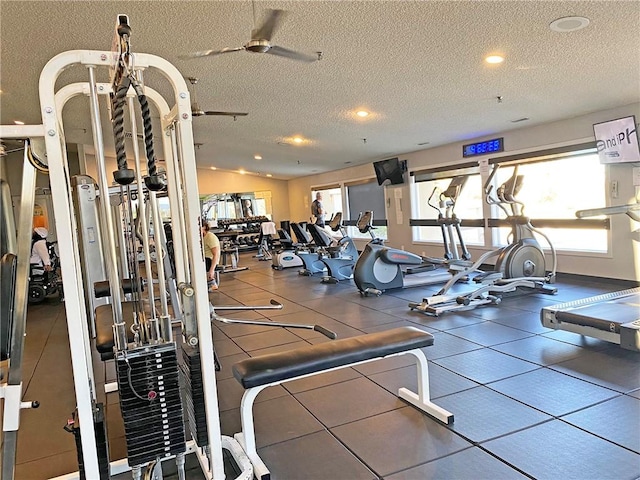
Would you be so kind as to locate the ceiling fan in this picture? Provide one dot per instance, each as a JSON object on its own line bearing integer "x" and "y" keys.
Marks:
{"x": 196, "y": 111}
{"x": 261, "y": 41}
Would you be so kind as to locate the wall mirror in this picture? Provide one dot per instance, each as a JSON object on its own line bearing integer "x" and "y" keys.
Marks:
{"x": 218, "y": 207}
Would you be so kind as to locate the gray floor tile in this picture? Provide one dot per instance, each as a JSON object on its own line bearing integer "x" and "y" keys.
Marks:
{"x": 489, "y": 333}
{"x": 230, "y": 394}
{"x": 398, "y": 440}
{"x": 444, "y": 322}
{"x": 481, "y": 414}
{"x": 617, "y": 420}
{"x": 348, "y": 401}
{"x": 614, "y": 368}
{"x": 635, "y": 393}
{"x": 317, "y": 456}
{"x": 527, "y": 321}
{"x": 557, "y": 450}
{"x": 441, "y": 381}
{"x": 321, "y": 380}
{"x": 472, "y": 463}
{"x": 484, "y": 366}
{"x": 280, "y": 419}
{"x": 270, "y": 338}
{"x": 578, "y": 340}
{"x": 446, "y": 345}
{"x": 541, "y": 350}
{"x": 552, "y": 392}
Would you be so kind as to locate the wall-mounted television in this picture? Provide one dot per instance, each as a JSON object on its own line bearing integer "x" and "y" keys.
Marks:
{"x": 390, "y": 172}
{"x": 617, "y": 140}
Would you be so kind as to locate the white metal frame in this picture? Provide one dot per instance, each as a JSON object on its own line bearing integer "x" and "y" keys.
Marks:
{"x": 181, "y": 170}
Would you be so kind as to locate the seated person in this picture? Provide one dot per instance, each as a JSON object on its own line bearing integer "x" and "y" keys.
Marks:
{"x": 39, "y": 249}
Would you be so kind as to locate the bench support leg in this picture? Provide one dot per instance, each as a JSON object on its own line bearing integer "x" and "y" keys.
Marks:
{"x": 422, "y": 400}
{"x": 247, "y": 438}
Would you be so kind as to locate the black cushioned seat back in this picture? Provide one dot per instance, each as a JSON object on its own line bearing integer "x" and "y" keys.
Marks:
{"x": 302, "y": 236}
{"x": 9, "y": 263}
{"x": 104, "y": 330}
{"x": 320, "y": 236}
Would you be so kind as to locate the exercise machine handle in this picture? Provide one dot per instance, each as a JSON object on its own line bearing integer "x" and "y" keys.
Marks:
{"x": 326, "y": 332}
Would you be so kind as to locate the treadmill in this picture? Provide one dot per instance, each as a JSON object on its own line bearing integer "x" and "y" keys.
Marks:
{"x": 613, "y": 317}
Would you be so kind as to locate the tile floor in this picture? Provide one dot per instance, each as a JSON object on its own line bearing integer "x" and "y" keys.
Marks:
{"x": 528, "y": 402}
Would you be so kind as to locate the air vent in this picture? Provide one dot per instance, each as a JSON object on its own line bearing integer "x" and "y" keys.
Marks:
{"x": 523, "y": 119}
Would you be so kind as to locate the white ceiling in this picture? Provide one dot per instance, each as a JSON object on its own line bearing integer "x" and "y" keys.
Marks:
{"x": 417, "y": 66}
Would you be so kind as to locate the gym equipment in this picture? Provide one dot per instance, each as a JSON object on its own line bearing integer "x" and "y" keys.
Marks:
{"x": 286, "y": 256}
{"x": 257, "y": 373}
{"x": 339, "y": 257}
{"x": 267, "y": 230}
{"x": 14, "y": 273}
{"x": 448, "y": 222}
{"x": 152, "y": 336}
{"x": 380, "y": 268}
{"x": 307, "y": 252}
{"x": 520, "y": 266}
{"x": 145, "y": 350}
{"x": 613, "y": 317}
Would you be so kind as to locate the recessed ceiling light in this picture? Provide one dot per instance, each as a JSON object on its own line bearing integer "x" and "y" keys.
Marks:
{"x": 297, "y": 139}
{"x": 362, "y": 113}
{"x": 213, "y": 168}
{"x": 257, "y": 157}
{"x": 269, "y": 175}
{"x": 18, "y": 122}
{"x": 494, "y": 59}
{"x": 569, "y": 24}
{"x": 242, "y": 171}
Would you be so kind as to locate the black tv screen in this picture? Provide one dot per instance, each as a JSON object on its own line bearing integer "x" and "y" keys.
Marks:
{"x": 389, "y": 172}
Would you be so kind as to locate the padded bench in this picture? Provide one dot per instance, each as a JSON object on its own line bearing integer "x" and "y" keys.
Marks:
{"x": 257, "y": 373}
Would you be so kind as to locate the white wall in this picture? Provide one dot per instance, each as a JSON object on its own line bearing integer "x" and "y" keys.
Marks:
{"x": 624, "y": 259}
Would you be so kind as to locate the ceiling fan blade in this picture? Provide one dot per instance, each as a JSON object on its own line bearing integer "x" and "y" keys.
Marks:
{"x": 210, "y": 53}
{"x": 268, "y": 27}
{"x": 227, "y": 114}
{"x": 293, "y": 55}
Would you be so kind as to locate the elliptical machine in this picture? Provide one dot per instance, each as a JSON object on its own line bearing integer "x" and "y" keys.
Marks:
{"x": 379, "y": 268}
{"x": 519, "y": 265}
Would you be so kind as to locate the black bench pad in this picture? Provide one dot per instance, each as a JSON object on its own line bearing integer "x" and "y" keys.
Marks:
{"x": 277, "y": 367}
{"x": 104, "y": 330}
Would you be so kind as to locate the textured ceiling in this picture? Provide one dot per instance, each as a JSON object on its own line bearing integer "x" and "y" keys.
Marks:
{"x": 417, "y": 66}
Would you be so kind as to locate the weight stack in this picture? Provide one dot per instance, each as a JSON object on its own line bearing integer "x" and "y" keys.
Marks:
{"x": 150, "y": 403}
{"x": 102, "y": 448}
{"x": 191, "y": 371}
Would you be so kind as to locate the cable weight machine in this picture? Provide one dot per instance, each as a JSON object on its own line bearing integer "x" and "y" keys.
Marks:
{"x": 153, "y": 341}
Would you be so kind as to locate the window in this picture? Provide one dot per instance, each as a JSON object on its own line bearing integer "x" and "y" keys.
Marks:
{"x": 555, "y": 189}
{"x": 362, "y": 197}
{"x": 468, "y": 206}
{"x": 331, "y": 201}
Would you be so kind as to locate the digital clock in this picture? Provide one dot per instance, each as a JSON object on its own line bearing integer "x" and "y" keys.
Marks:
{"x": 482, "y": 148}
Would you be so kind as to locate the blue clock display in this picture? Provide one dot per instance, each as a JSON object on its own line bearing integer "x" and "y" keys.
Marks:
{"x": 482, "y": 148}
